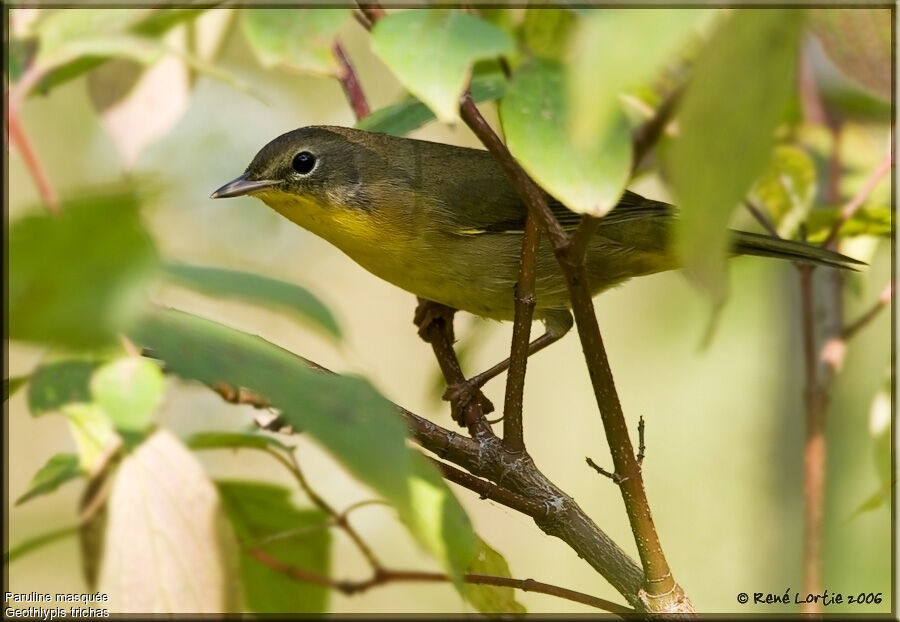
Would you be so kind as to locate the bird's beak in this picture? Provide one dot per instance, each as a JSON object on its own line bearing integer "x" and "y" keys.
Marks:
{"x": 241, "y": 186}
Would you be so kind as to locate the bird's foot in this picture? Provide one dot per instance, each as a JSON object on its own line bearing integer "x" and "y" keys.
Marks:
{"x": 460, "y": 395}
{"x": 429, "y": 314}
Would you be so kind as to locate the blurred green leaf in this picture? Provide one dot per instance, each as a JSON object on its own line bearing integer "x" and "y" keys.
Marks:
{"x": 234, "y": 440}
{"x": 293, "y": 299}
{"x": 346, "y": 415}
{"x": 535, "y": 119}
{"x": 11, "y": 385}
{"x": 93, "y": 432}
{"x": 77, "y": 278}
{"x": 546, "y": 31}
{"x": 169, "y": 547}
{"x": 148, "y": 24}
{"x": 298, "y": 39}
{"x": 53, "y": 385}
{"x": 259, "y": 513}
{"x": 57, "y": 471}
{"x": 787, "y": 188}
{"x": 487, "y": 598}
{"x": 112, "y": 81}
{"x": 33, "y": 544}
{"x": 858, "y": 41}
{"x": 129, "y": 390}
{"x": 618, "y": 50}
{"x": 410, "y": 114}
{"x": 19, "y": 55}
{"x": 726, "y": 125}
{"x": 877, "y": 221}
{"x": 431, "y": 52}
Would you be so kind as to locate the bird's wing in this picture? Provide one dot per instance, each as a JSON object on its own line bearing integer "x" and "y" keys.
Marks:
{"x": 631, "y": 207}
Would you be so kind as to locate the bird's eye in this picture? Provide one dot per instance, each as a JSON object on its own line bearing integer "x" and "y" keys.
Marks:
{"x": 304, "y": 162}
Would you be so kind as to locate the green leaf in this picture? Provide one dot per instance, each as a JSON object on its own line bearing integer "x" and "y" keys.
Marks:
{"x": 56, "y": 384}
{"x": 32, "y": 544}
{"x": 168, "y": 546}
{"x": 77, "y": 278}
{"x": 129, "y": 390}
{"x": 875, "y": 221}
{"x": 728, "y": 116}
{"x": 264, "y": 518}
{"x": 93, "y": 432}
{"x": 490, "y": 599}
{"x": 152, "y": 24}
{"x": 59, "y": 469}
{"x": 234, "y": 440}
{"x": 614, "y": 51}
{"x": 410, "y": 114}
{"x": 346, "y": 415}
{"x": 534, "y": 112}
{"x": 431, "y": 51}
{"x": 11, "y": 385}
{"x": 787, "y": 188}
{"x": 294, "y": 299}
{"x": 298, "y": 39}
{"x": 858, "y": 41}
{"x": 546, "y": 31}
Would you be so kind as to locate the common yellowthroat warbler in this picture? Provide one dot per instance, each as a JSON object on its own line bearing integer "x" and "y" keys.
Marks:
{"x": 444, "y": 223}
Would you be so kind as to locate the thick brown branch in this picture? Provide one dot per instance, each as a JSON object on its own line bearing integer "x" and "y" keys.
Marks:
{"x": 661, "y": 593}
{"x": 394, "y": 576}
{"x": 487, "y": 490}
{"x": 350, "y": 83}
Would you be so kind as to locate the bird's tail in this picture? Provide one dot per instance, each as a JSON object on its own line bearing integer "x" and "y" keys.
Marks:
{"x": 767, "y": 246}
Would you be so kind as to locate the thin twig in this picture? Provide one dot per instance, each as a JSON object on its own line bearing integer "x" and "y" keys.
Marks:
{"x": 339, "y": 518}
{"x": 642, "y": 448}
{"x": 615, "y": 477}
{"x": 856, "y": 202}
{"x": 883, "y": 301}
{"x": 647, "y": 135}
{"x": 373, "y": 12}
{"x": 761, "y": 218}
{"x": 350, "y": 83}
{"x": 19, "y": 137}
{"x": 394, "y": 576}
{"x": 513, "y": 432}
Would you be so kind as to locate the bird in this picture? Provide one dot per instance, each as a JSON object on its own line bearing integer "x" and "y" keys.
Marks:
{"x": 444, "y": 223}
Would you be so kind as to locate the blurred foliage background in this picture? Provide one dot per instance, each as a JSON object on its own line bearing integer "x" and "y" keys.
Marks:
{"x": 160, "y": 126}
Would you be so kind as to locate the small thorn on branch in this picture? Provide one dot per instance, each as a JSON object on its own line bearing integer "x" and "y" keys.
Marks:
{"x": 615, "y": 477}
{"x": 641, "y": 446}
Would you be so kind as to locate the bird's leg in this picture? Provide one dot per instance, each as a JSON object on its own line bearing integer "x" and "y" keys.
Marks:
{"x": 557, "y": 322}
{"x": 435, "y": 322}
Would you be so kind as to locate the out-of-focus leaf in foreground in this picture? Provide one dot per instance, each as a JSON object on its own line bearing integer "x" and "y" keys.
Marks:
{"x": 431, "y": 52}
{"x": 787, "y": 188}
{"x": 58, "y": 383}
{"x": 410, "y": 113}
{"x": 288, "y": 297}
{"x": 534, "y": 113}
{"x": 491, "y": 599}
{"x": 297, "y": 39}
{"x": 608, "y": 58}
{"x": 858, "y": 41}
{"x": 264, "y": 518}
{"x": 58, "y": 470}
{"x": 168, "y": 545}
{"x": 346, "y": 415}
{"x": 77, "y": 278}
{"x": 129, "y": 390}
{"x": 11, "y": 385}
{"x": 726, "y": 123}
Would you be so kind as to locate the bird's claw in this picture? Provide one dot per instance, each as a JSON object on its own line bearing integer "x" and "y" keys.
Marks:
{"x": 460, "y": 395}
